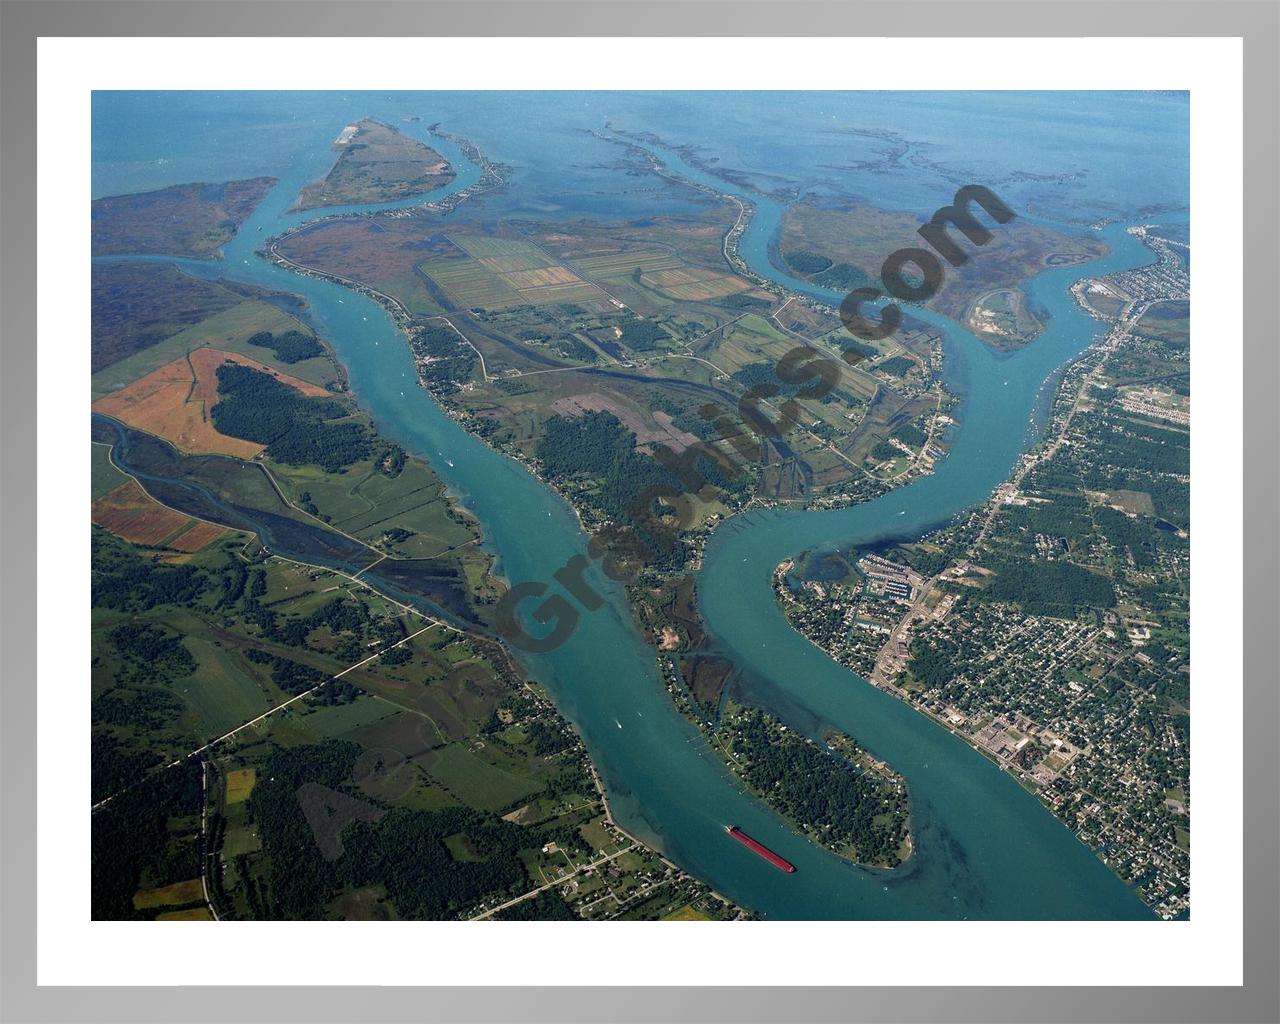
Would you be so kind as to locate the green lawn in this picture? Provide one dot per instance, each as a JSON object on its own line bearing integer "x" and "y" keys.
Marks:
{"x": 104, "y": 476}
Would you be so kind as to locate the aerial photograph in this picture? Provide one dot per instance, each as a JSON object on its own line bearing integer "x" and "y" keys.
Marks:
{"x": 649, "y": 506}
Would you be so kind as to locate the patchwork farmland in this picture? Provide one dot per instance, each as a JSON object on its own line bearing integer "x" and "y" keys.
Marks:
{"x": 500, "y": 272}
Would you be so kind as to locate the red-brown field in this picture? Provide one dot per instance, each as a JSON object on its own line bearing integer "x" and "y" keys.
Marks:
{"x": 131, "y": 514}
{"x": 173, "y": 402}
{"x": 199, "y": 536}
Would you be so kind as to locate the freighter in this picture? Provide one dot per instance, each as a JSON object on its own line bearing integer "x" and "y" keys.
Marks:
{"x": 760, "y": 850}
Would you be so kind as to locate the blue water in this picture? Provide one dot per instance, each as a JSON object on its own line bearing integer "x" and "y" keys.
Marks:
{"x": 984, "y": 847}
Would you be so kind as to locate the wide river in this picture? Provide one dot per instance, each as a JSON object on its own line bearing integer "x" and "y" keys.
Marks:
{"x": 985, "y": 848}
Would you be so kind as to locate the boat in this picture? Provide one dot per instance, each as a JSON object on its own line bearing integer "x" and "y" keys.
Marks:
{"x": 760, "y": 850}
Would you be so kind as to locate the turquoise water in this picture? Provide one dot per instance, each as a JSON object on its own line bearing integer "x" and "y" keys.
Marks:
{"x": 985, "y": 848}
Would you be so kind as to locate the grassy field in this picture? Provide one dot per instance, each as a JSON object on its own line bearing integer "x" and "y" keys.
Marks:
{"x": 367, "y": 503}
{"x": 104, "y": 477}
{"x": 687, "y": 913}
{"x": 175, "y": 402}
{"x": 240, "y": 784}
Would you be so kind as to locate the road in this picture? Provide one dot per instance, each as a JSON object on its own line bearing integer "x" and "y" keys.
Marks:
{"x": 431, "y": 623}
{"x": 551, "y": 885}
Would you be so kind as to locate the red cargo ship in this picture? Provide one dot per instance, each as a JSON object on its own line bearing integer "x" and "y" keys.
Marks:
{"x": 760, "y": 850}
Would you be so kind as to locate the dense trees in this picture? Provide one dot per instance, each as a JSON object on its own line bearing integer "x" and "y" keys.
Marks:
{"x": 898, "y": 366}
{"x": 642, "y": 335}
{"x": 572, "y": 348}
{"x": 842, "y": 277}
{"x": 289, "y": 347}
{"x": 296, "y": 429}
{"x": 741, "y": 300}
{"x": 162, "y": 652}
{"x": 124, "y": 582}
{"x": 141, "y": 836}
{"x": 818, "y": 789}
{"x": 910, "y": 434}
{"x": 546, "y": 906}
{"x": 807, "y": 262}
{"x": 598, "y": 445}
{"x": 401, "y": 850}
{"x": 932, "y": 664}
{"x": 1048, "y": 588}
{"x": 448, "y": 359}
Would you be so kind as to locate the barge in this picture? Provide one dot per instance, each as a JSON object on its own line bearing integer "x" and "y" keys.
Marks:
{"x": 760, "y": 850}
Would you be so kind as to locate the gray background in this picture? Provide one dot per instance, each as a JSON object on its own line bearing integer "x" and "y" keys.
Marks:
{"x": 1258, "y": 22}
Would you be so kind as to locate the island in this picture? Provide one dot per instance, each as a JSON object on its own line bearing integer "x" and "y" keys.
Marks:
{"x": 377, "y": 164}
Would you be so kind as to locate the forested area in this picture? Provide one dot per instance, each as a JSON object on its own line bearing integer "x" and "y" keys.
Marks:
{"x": 596, "y": 453}
{"x": 842, "y": 277}
{"x": 807, "y": 262}
{"x": 447, "y": 360}
{"x": 122, "y": 581}
{"x": 289, "y": 347}
{"x": 546, "y": 906}
{"x": 850, "y": 807}
{"x": 741, "y": 300}
{"x": 296, "y": 429}
{"x": 598, "y": 445}
{"x": 572, "y": 348}
{"x": 764, "y": 375}
{"x": 1048, "y": 588}
{"x": 642, "y": 335}
{"x": 149, "y": 833}
{"x": 898, "y": 366}
{"x": 402, "y": 850}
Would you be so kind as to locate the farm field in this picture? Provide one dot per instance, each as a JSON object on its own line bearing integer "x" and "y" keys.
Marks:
{"x": 227, "y": 330}
{"x": 240, "y": 784}
{"x": 503, "y": 272}
{"x": 174, "y": 402}
{"x": 465, "y": 748}
{"x": 133, "y": 515}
